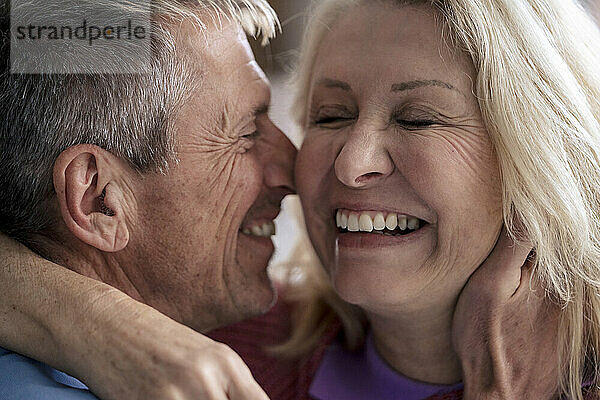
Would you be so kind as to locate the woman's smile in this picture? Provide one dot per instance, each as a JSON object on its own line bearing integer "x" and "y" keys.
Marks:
{"x": 374, "y": 229}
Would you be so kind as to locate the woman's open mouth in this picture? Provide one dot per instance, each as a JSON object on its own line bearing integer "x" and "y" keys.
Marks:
{"x": 378, "y": 222}
{"x": 376, "y": 228}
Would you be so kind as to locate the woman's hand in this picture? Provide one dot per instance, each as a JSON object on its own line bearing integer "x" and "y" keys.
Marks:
{"x": 505, "y": 331}
{"x": 120, "y": 348}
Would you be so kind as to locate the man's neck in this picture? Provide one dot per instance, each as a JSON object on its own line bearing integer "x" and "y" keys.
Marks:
{"x": 64, "y": 250}
{"x": 418, "y": 343}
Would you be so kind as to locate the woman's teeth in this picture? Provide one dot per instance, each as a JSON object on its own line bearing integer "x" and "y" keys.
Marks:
{"x": 265, "y": 230}
{"x": 375, "y": 221}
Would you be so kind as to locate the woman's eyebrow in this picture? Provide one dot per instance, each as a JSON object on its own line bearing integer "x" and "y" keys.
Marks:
{"x": 334, "y": 83}
{"x": 410, "y": 85}
{"x": 396, "y": 87}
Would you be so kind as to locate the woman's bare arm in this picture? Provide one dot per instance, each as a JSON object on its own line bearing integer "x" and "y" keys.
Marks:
{"x": 117, "y": 346}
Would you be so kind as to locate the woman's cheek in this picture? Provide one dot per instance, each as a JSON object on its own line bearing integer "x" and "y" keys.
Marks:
{"x": 461, "y": 185}
{"x": 313, "y": 181}
{"x": 451, "y": 169}
{"x": 311, "y": 165}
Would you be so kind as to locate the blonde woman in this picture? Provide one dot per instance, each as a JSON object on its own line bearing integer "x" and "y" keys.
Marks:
{"x": 534, "y": 80}
{"x": 537, "y": 97}
{"x": 444, "y": 141}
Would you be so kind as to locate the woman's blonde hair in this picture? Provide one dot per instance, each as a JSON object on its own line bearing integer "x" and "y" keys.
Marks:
{"x": 537, "y": 80}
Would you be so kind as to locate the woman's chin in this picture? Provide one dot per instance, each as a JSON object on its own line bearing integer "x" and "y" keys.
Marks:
{"x": 377, "y": 285}
{"x": 375, "y": 268}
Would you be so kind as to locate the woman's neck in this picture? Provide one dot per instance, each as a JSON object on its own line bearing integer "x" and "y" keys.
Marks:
{"x": 418, "y": 343}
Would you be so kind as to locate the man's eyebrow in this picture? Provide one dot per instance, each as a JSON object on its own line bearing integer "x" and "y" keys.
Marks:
{"x": 410, "y": 85}
{"x": 260, "y": 110}
{"x": 334, "y": 83}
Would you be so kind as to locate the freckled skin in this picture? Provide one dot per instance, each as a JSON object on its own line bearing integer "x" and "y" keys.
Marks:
{"x": 190, "y": 259}
{"x": 365, "y": 152}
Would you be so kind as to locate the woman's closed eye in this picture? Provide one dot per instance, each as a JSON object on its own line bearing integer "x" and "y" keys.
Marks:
{"x": 332, "y": 117}
{"x": 332, "y": 120}
{"x": 415, "y": 123}
{"x": 416, "y": 118}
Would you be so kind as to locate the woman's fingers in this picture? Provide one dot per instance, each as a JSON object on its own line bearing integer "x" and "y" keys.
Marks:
{"x": 504, "y": 328}
{"x": 224, "y": 375}
{"x": 242, "y": 385}
{"x": 500, "y": 274}
{"x": 170, "y": 361}
{"x": 246, "y": 390}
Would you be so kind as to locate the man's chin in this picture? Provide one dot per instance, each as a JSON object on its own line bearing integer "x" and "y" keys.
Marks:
{"x": 251, "y": 304}
{"x": 260, "y": 297}
{"x": 249, "y": 285}
{"x": 247, "y": 302}
{"x": 254, "y": 254}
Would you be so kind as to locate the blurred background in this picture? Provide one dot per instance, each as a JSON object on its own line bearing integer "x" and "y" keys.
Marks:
{"x": 279, "y": 58}
{"x": 594, "y": 7}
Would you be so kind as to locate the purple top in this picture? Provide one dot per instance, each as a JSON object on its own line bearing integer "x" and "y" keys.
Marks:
{"x": 360, "y": 375}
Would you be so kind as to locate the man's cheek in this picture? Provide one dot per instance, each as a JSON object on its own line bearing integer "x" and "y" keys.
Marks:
{"x": 221, "y": 169}
{"x": 252, "y": 170}
{"x": 240, "y": 181}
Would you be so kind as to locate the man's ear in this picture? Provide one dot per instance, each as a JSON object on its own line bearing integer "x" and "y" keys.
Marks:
{"x": 88, "y": 183}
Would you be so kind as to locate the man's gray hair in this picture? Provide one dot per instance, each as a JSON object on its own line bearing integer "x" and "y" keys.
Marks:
{"x": 129, "y": 115}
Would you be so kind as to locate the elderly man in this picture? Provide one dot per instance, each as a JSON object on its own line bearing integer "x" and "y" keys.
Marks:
{"x": 103, "y": 173}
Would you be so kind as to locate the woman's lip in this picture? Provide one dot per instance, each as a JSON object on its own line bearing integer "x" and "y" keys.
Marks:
{"x": 364, "y": 240}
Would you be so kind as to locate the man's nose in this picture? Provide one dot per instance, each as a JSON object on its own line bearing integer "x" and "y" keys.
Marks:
{"x": 363, "y": 160}
{"x": 279, "y": 161}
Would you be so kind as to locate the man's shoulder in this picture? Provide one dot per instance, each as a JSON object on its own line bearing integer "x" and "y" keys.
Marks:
{"x": 22, "y": 378}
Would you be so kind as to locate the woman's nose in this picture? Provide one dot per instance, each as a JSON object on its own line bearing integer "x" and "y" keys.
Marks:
{"x": 363, "y": 161}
